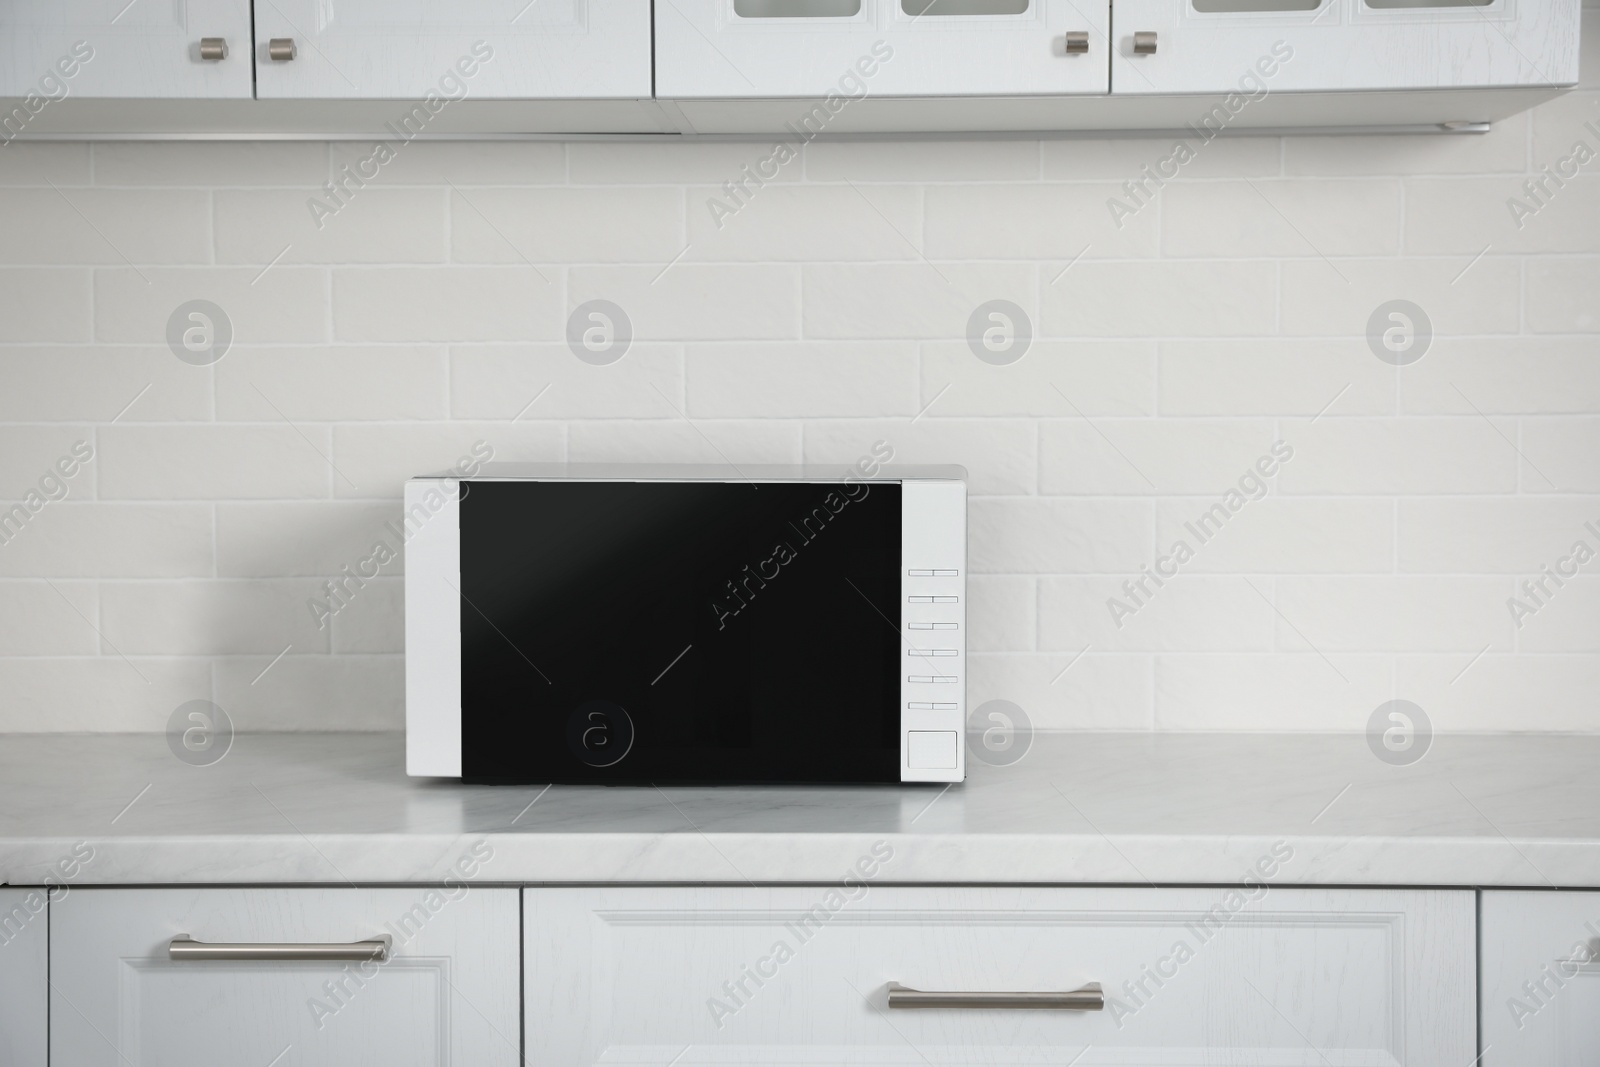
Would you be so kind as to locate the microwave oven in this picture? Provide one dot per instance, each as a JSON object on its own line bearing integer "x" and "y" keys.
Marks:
{"x": 665, "y": 624}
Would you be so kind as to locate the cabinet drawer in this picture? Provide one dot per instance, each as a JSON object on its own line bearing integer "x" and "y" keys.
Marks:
{"x": 1541, "y": 979}
{"x": 447, "y": 994}
{"x": 24, "y": 941}
{"x": 1190, "y": 976}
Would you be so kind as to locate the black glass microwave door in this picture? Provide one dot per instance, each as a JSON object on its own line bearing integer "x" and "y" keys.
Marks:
{"x": 680, "y": 631}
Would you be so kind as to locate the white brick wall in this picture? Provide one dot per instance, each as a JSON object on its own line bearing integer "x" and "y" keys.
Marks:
{"x": 1168, "y": 354}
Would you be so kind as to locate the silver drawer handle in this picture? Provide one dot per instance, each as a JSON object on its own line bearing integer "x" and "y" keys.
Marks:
{"x": 281, "y": 49}
{"x": 1144, "y": 43}
{"x": 184, "y": 947}
{"x": 1076, "y": 42}
{"x": 1089, "y": 998}
{"x": 213, "y": 49}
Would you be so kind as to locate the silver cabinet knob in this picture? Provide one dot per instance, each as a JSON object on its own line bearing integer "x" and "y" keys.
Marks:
{"x": 213, "y": 49}
{"x": 1144, "y": 43}
{"x": 280, "y": 49}
{"x": 1077, "y": 42}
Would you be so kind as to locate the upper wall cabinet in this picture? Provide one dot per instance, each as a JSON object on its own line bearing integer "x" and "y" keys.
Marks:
{"x": 811, "y": 48}
{"x": 1262, "y": 46}
{"x": 114, "y": 48}
{"x": 482, "y": 49}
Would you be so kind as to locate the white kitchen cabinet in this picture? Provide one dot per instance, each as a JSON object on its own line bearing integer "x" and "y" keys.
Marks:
{"x": 699, "y": 976}
{"x": 850, "y": 49}
{"x": 24, "y": 978}
{"x": 1257, "y": 47}
{"x": 453, "y": 49}
{"x": 447, "y": 995}
{"x": 60, "y": 49}
{"x": 1541, "y": 979}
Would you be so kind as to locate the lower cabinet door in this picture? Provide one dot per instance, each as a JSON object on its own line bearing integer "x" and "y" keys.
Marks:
{"x": 24, "y": 978}
{"x": 446, "y": 994}
{"x": 1541, "y": 979}
{"x": 812, "y": 976}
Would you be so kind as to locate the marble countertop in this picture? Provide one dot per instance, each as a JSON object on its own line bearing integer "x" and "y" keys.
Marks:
{"x": 1079, "y": 808}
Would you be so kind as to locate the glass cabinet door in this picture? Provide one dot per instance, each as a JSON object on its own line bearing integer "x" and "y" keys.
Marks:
{"x": 857, "y": 48}
{"x": 1254, "y": 47}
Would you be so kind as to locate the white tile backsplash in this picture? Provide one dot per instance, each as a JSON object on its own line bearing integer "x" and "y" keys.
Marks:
{"x": 1031, "y": 221}
{"x": 801, "y": 379}
{"x": 1192, "y": 613}
{"x": 1274, "y": 376}
{"x": 1558, "y": 455}
{"x": 1331, "y": 298}
{"x": 264, "y": 304}
{"x": 257, "y": 226}
{"x": 1285, "y": 218}
{"x": 1056, "y": 378}
{"x": 213, "y": 461}
{"x": 543, "y": 381}
{"x": 446, "y": 304}
{"x": 1083, "y": 456}
{"x": 47, "y": 618}
{"x": 46, "y": 304}
{"x": 929, "y": 299}
{"x": 1512, "y": 376}
{"x": 92, "y": 226}
{"x": 428, "y": 317}
{"x": 1160, "y": 298}
{"x": 79, "y": 538}
{"x": 687, "y": 301}
{"x": 1561, "y": 291}
{"x": 564, "y": 224}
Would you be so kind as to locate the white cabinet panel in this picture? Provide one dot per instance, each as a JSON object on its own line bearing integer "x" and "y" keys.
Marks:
{"x": 454, "y": 49}
{"x": 856, "y": 48}
{"x": 57, "y": 49}
{"x": 799, "y": 976}
{"x": 1541, "y": 979}
{"x": 1254, "y": 47}
{"x": 447, "y": 995}
{"x": 24, "y": 978}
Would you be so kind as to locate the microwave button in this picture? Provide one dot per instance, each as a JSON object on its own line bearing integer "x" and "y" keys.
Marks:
{"x": 946, "y": 574}
{"x": 927, "y": 678}
{"x": 945, "y": 707}
{"x": 931, "y": 750}
{"x": 920, "y": 574}
{"x": 931, "y": 651}
{"x": 932, "y": 600}
{"x": 919, "y": 705}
